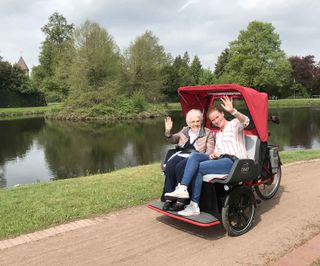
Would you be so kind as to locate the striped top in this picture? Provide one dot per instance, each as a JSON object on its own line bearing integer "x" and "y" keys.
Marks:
{"x": 231, "y": 139}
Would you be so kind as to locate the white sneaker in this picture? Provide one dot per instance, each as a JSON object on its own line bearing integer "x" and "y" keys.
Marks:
{"x": 191, "y": 209}
{"x": 181, "y": 192}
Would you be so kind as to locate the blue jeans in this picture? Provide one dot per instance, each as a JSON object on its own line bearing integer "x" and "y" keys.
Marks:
{"x": 199, "y": 165}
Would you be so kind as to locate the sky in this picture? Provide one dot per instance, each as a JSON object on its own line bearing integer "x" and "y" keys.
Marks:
{"x": 200, "y": 27}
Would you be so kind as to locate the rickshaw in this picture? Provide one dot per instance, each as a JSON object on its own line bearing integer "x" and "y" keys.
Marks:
{"x": 229, "y": 199}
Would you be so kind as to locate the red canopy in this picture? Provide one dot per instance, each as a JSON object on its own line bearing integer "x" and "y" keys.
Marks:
{"x": 202, "y": 97}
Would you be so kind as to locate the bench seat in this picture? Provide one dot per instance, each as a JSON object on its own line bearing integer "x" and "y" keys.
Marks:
{"x": 251, "y": 147}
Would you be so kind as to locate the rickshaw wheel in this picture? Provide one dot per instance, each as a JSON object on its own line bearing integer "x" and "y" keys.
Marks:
{"x": 238, "y": 211}
{"x": 268, "y": 190}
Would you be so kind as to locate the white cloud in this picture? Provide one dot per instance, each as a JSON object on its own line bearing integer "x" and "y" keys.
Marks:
{"x": 201, "y": 27}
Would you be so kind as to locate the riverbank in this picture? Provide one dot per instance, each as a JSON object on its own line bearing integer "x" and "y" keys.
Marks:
{"x": 53, "y": 110}
{"x": 287, "y": 103}
{"x": 21, "y": 112}
{"x": 98, "y": 113}
{"x": 37, "y": 206}
{"x": 282, "y": 103}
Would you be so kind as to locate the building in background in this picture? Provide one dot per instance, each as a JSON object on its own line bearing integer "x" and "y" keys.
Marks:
{"x": 23, "y": 66}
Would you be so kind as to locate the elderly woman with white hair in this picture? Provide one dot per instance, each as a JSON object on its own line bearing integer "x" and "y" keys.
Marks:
{"x": 194, "y": 137}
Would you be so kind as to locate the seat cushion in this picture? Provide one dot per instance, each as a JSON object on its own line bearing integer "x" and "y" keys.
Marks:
{"x": 251, "y": 143}
{"x": 210, "y": 177}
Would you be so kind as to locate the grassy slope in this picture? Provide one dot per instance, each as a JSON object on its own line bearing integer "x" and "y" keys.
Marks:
{"x": 27, "y": 111}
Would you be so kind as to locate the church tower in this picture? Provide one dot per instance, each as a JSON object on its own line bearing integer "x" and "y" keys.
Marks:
{"x": 23, "y": 66}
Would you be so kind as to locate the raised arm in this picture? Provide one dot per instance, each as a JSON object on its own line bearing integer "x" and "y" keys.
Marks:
{"x": 168, "y": 126}
{"x": 228, "y": 106}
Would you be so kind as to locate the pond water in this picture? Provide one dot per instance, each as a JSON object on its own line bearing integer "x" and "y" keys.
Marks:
{"x": 37, "y": 149}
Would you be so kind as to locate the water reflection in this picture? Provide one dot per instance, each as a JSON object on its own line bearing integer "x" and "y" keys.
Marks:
{"x": 36, "y": 149}
{"x": 299, "y": 128}
{"x": 16, "y": 138}
{"x": 74, "y": 149}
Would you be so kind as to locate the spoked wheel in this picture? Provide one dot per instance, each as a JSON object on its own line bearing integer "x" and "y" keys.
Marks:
{"x": 269, "y": 189}
{"x": 238, "y": 211}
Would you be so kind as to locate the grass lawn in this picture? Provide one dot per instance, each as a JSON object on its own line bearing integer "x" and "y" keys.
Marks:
{"x": 27, "y": 111}
{"x": 294, "y": 103}
{"x": 316, "y": 263}
{"x": 282, "y": 103}
{"x": 36, "y": 206}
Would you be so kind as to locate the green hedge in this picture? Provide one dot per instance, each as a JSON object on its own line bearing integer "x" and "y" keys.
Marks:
{"x": 15, "y": 99}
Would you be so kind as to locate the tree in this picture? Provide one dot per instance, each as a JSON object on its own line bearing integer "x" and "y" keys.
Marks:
{"x": 16, "y": 89}
{"x": 57, "y": 30}
{"x": 97, "y": 71}
{"x": 5, "y": 73}
{"x": 316, "y": 81}
{"x": 207, "y": 77}
{"x": 256, "y": 60}
{"x": 195, "y": 71}
{"x": 145, "y": 60}
{"x": 20, "y": 82}
{"x": 170, "y": 83}
{"x": 181, "y": 73}
{"x": 221, "y": 63}
{"x": 183, "y": 68}
{"x": 56, "y": 56}
{"x": 304, "y": 71}
{"x": 12, "y": 78}
{"x": 176, "y": 75}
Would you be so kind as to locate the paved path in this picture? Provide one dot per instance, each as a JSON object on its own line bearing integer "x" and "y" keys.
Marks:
{"x": 286, "y": 232}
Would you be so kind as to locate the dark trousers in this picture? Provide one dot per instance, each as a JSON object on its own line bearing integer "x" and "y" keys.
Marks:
{"x": 174, "y": 172}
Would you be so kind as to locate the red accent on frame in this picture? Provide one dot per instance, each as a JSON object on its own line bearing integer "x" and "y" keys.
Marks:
{"x": 184, "y": 219}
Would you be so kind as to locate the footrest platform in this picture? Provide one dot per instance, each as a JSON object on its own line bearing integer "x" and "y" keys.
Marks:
{"x": 203, "y": 219}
